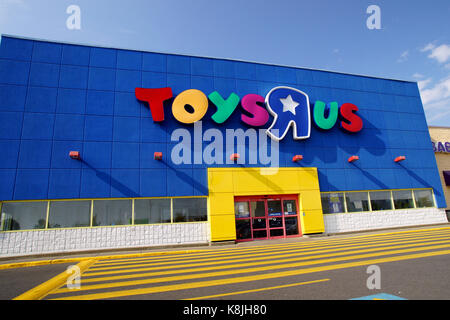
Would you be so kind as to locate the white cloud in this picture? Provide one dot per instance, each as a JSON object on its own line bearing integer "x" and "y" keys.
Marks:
{"x": 441, "y": 53}
{"x": 428, "y": 47}
{"x": 434, "y": 96}
{"x": 403, "y": 56}
{"x": 436, "y": 101}
{"x": 417, "y": 75}
{"x": 439, "y": 116}
{"x": 422, "y": 84}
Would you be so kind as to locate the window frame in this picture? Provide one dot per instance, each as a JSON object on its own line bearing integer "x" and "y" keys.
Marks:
{"x": 392, "y": 199}
{"x": 22, "y": 201}
{"x": 91, "y": 200}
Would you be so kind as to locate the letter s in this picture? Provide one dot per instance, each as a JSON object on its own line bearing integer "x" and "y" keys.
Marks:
{"x": 347, "y": 113}
{"x": 260, "y": 115}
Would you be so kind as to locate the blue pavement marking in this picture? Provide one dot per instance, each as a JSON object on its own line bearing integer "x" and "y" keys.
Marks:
{"x": 380, "y": 296}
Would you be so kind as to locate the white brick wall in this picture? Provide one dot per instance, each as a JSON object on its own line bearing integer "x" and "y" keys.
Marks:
{"x": 51, "y": 241}
{"x": 345, "y": 222}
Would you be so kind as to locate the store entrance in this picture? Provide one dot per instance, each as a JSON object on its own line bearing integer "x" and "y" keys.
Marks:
{"x": 266, "y": 217}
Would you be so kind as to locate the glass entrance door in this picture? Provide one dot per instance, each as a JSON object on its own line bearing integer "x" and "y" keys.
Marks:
{"x": 258, "y": 212}
{"x": 266, "y": 217}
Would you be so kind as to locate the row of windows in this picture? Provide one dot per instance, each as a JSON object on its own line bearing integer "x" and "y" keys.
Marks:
{"x": 340, "y": 202}
{"x": 92, "y": 213}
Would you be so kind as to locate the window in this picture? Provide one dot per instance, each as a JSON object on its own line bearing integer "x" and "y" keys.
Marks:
{"x": 28, "y": 215}
{"x": 23, "y": 215}
{"x": 189, "y": 209}
{"x": 291, "y": 226}
{"x": 241, "y": 209}
{"x": 243, "y": 229}
{"x": 69, "y": 214}
{"x": 424, "y": 198}
{"x": 380, "y": 200}
{"x": 257, "y": 208}
{"x": 151, "y": 211}
{"x": 274, "y": 207}
{"x": 332, "y": 202}
{"x": 111, "y": 212}
{"x": 403, "y": 199}
{"x": 289, "y": 207}
{"x": 357, "y": 201}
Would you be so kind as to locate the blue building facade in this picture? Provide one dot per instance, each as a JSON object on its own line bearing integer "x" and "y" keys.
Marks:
{"x": 56, "y": 98}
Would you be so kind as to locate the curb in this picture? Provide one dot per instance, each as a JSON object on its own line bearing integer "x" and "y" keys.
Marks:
{"x": 436, "y": 226}
{"x": 83, "y": 259}
{"x": 42, "y": 290}
{"x": 93, "y": 252}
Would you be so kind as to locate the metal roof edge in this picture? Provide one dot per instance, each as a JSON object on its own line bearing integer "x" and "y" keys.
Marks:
{"x": 440, "y": 127}
{"x": 196, "y": 56}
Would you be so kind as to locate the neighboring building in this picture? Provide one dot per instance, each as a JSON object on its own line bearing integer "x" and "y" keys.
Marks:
{"x": 440, "y": 137}
{"x": 86, "y": 164}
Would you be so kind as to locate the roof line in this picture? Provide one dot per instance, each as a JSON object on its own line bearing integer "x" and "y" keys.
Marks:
{"x": 442, "y": 127}
{"x": 195, "y": 56}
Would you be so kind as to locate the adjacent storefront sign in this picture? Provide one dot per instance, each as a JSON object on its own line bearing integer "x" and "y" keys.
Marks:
{"x": 441, "y": 146}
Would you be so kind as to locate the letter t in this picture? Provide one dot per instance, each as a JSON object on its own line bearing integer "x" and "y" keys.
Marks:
{"x": 155, "y": 98}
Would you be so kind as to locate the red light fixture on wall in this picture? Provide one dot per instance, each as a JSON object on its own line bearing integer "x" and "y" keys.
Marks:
{"x": 234, "y": 156}
{"x": 158, "y": 155}
{"x": 353, "y": 158}
{"x": 75, "y": 155}
{"x": 297, "y": 158}
{"x": 399, "y": 158}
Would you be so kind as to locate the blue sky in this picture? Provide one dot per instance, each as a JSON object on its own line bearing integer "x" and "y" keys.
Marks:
{"x": 412, "y": 44}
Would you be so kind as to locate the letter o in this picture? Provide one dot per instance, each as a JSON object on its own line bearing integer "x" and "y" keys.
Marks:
{"x": 194, "y": 98}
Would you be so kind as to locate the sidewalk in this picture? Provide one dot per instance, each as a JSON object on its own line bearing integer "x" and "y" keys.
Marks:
{"x": 64, "y": 257}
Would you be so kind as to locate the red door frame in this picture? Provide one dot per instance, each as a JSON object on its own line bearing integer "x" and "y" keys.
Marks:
{"x": 265, "y": 198}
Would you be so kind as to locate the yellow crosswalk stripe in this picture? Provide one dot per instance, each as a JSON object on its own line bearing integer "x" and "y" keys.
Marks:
{"x": 257, "y": 290}
{"x": 254, "y": 269}
{"x": 135, "y": 273}
{"x": 136, "y": 267}
{"x": 208, "y": 283}
{"x": 230, "y": 251}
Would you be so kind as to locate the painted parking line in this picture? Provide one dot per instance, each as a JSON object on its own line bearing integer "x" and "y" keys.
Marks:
{"x": 254, "y": 249}
{"x": 258, "y": 290}
{"x": 238, "y": 263}
{"x": 248, "y": 270}
{"x": 42, "y": 290}
{"x": 131, "y": 267}
{"x": 99, "y": 267}
{"x": 380, "y": 296}
{"x": 159, "y": 268}
{"x": 218, "y": 282}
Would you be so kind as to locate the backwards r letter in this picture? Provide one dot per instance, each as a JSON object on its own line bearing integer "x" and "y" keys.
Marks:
{"x": 289, "y": 107}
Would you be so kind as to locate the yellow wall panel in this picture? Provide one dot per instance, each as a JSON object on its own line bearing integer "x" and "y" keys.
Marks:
{"x": 221, "y": 203}
{"x": 283, "y": 181}
{"x": 308, "y": 179}
{"x": 221, "y": 180}
{"x": 223, "y": 227}
{"x": 312, "y": 221}
{"x": 249, "y": 180}
{"x": 310, "y": 199}
{"x": 226, "y": 183}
